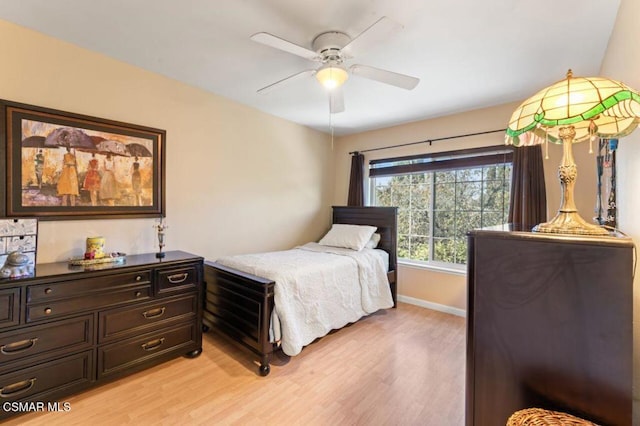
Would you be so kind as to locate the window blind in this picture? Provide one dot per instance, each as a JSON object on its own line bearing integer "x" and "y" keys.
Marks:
{"x": 448, "y": 160}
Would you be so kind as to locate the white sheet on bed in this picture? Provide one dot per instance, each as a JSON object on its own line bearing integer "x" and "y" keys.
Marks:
{"x": 318, "y": 288}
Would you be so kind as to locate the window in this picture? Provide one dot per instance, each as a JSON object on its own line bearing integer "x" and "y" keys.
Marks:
{"x": 441, "y": 196}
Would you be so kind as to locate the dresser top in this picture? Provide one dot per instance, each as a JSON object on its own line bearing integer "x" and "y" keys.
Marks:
{"x": 512, "y": 231}
{"x": 47, "y": 270}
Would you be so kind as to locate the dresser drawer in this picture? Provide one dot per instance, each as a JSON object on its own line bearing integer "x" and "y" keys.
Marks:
{"x": 9, "y": 307}
{"x": 66, "y": 336}
{"x": 129, "y": 353}
{"x": 65, "y": 373}
{"x": 177, "y": 280}
{"x": 74, "y": 288}
{"x": 118, "y": 323}
{"x": 57, "y": 308}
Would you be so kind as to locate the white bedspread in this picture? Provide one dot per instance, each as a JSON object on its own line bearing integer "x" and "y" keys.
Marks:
{"x": 318, "y": 288}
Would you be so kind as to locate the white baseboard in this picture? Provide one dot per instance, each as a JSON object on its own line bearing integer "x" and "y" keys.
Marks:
{"x": 431, "y": 305}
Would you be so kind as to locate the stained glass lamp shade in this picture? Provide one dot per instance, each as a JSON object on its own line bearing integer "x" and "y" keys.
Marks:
{"x": 573, "y": 110}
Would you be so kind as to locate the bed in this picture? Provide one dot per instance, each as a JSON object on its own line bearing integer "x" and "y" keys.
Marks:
{"x": 241, "y": 305}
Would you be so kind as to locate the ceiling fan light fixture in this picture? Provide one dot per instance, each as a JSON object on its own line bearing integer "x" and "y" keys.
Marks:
{"x": 332, "y": 76}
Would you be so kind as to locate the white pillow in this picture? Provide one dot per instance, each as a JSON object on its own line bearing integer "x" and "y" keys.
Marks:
{"x": 373, "y": 241}
{"x": 348, "y": 236}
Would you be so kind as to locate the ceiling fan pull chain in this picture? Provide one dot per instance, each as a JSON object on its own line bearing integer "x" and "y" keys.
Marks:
{"x": 331, "y": 127}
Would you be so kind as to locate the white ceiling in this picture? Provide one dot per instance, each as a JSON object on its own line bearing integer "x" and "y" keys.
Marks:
{"x": 468, "y": 54}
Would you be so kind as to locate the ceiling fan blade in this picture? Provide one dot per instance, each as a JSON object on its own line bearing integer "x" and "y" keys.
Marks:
{"x": 336, "y": 100}
{"x": 284, "y": 45}
{"x": 383, "y": 76}
{"x": 371, "y": 36}
{"x": 286, "y": 80}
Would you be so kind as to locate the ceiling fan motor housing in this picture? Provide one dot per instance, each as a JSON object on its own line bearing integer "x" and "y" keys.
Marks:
{"x": 329, "y": 46}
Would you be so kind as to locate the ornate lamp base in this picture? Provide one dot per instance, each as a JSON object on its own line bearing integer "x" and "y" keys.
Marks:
{"x": 570, "y": 223}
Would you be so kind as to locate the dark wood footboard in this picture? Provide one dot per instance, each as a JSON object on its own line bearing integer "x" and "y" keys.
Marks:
{"x": 240, "y": 305}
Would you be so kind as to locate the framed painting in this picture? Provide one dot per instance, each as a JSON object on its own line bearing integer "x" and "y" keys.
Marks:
{"x": 60, "y": 165}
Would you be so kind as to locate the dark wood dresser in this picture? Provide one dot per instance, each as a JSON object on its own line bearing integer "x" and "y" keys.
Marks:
{"x": 68, "y": 328}
{"x": 549, "y": 326}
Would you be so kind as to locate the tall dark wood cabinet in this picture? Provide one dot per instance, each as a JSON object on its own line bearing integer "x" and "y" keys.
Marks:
{"x": 69, "y": 328}
{"x": 549, "y": 326}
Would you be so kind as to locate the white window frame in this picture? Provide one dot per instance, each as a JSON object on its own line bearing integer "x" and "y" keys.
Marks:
{"x": 469, "y": 159}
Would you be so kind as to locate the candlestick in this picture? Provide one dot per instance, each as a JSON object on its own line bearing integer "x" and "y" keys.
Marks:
{"x": 160, "y": 229}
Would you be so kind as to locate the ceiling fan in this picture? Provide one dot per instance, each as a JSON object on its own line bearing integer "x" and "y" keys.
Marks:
{"x": 332, "y": 49}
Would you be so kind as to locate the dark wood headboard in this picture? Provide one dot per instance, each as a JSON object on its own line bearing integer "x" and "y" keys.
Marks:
{"x": 385, "y": 218}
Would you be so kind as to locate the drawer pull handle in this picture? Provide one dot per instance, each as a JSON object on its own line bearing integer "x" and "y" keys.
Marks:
{"x": 178, "y": 278}
{"x": 47, "y": 311}
{"x": 154, "y": 313}
{"x": 48, "y": 290}
{"x": 138, "y": 278}
{"x": 138, "y": 293}
{"x": 17, "y": 388}
{"x": 17, "y": 347}
{"x": 152, "y": 345}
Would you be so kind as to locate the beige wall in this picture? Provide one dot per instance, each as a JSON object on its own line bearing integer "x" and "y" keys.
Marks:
{"x": 444, "y": 288}
{"x": 238, "y": 180}
{"x": 622, "y": 62}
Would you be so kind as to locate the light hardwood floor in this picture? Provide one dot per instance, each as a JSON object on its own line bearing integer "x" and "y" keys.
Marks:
{"x": 403, "y": 366}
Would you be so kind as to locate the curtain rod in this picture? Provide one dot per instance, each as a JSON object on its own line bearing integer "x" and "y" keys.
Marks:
{"x": 429, "y": 141}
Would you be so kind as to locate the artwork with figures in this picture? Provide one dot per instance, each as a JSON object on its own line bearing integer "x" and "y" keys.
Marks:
{"x": 64, "y": 165}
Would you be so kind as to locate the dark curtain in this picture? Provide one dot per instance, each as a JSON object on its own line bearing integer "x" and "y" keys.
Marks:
{"x": 356, "y": 181}
{"x": 528, "y": 204}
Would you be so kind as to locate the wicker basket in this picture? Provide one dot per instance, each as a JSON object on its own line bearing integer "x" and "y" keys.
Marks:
{"x": 540, "y": 417}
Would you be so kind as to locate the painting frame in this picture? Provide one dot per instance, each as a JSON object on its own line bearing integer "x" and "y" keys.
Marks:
{"x": 59, "y": 165}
